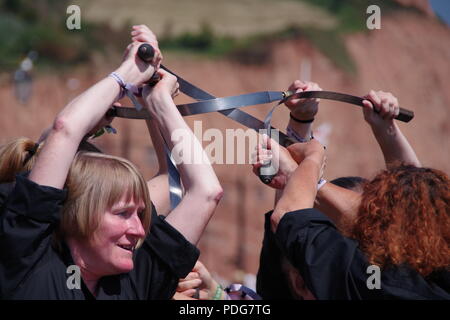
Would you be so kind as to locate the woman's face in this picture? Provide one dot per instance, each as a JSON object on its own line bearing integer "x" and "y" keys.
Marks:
{"x": 110, "y": 249}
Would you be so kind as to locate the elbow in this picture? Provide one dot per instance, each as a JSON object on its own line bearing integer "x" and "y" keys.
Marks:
{"x": 209, "y": 193}
{"x": 61, "y": 126}
{"x": 275, "y": 219}
{"x": 215, "y": 194}
{"x": 219, "y": 194}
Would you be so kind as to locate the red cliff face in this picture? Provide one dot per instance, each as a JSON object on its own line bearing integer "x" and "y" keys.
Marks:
{"x": 409, "y": 57}
{"x": 422, "y": 5}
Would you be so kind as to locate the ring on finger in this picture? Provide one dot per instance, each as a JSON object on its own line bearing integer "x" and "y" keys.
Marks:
{"x": 196, "y": 295}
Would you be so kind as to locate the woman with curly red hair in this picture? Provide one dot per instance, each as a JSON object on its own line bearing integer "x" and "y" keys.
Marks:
{"x": 392, "y": 241}
{"x": 402, "y": 228}
{"x": 404, "y": 218}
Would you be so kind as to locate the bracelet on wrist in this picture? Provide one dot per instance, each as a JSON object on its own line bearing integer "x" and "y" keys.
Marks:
{"x": 296, "y": 137}
{"x": 321, "y": 183}
{"x": 218, "y": 293}
{"x": 300, "y": 120}
{"x": 127, "y": 89}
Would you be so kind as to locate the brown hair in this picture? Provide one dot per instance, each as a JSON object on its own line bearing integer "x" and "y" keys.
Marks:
{"x": 18, "y": 155}
{"x": 404, "y": 218}
{"x": 95, "y": 183}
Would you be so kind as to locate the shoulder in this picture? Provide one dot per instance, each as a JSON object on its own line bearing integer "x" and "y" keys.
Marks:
{"x": 402, "y": 282}
{"x": 47, "y": 280}
{"x": 5, "y": 189}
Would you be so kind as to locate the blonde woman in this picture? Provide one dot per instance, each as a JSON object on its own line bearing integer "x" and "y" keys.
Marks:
{"x": 90, "y": 240}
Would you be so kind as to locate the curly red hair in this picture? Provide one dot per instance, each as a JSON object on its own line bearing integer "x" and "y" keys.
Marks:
{"x": 404, "y": 218}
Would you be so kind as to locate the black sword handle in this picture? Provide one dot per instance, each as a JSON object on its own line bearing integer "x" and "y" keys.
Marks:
{"x": 405, "y": 115}
{"x": 146, "y": 53}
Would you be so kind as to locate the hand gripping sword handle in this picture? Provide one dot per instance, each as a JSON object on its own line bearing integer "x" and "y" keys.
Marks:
{"x": 146, "y": 53}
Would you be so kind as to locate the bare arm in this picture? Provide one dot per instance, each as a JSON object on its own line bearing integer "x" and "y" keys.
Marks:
{"x": 303, "y": 110}
{"x": 78, "y": 118}
{"x": 301, "y": 188}
{"x": 339, "y": 204}
{"x": 202, "y": 188}
{"x": 158, "y": 185}
{"x": 68, "y": 129}
{"x": 393, "y": 143}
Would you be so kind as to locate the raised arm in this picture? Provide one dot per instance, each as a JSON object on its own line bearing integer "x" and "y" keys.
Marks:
{"x": 393, "y": 143}
{"x": 339, "y": 204}
{"x": 302, "y": 112}
{"x": 79, "y": 117}
{"x": 158, "y": 185}
{"x": 301, "y": 117}
{"x": 202, "y": 188}
{"x": 300, "y": 191}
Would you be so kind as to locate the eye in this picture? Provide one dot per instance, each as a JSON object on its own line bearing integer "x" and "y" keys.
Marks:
{"x": 122, "y": 213}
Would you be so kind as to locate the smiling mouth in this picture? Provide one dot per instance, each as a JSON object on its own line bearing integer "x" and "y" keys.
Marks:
{"x": 129, "y": 248}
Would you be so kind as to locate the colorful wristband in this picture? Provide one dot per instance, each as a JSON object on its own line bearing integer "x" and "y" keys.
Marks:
{"x": 294, "y": 135}
{"x": 321, "y": 183}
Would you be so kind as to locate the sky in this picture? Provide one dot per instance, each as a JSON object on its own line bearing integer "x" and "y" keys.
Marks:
{"x": 442, "y": 9}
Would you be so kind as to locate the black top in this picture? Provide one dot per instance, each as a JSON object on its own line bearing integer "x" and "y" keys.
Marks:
{"x": 271, "y": 282}
{"x": 332, "y": 266}
{"x": 30, "y": 268}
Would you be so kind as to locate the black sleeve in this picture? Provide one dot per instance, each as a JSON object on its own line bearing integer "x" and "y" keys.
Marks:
{"x": 271, "y": 283}
{"x": 331, "y": 264}
{"x": 5, "y": 190}
{"x": 29, "y": 216}
{"x": 164, "y": 258}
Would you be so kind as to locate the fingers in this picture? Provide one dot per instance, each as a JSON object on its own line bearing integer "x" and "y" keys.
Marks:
{"x": 170, "y": 81}
{"x": 297, "y": 85}
{"x": 304, "y": 109}
{"x": 375, "y": 99}
{"x": 189, "y": 292}
{"x": 141, "y": 33}
{"x": 312, "y": 86}
{"x": 260, "y": 157}
{"x": 202, "y": 294}
{"x": 198, "y": 266}
{"x": 384, "y": 103}
{"x": 191, "y": 275}
{"x": 180, "y": 296}
{"x": 385, "y": 107}
{"x": 367, "y": 104}
{"x": 188, "y": 284}
{"x": 131, "y": 53}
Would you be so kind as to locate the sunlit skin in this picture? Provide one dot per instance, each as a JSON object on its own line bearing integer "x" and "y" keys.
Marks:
{"x": 110, "y": 249}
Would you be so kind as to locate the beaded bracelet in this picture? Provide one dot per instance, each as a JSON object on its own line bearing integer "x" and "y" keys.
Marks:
{"x": 218, "y": 293}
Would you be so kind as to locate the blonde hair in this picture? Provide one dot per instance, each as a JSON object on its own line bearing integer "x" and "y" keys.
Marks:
{"x": 18, "y": 155}
{"x": 95, "y": 183}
